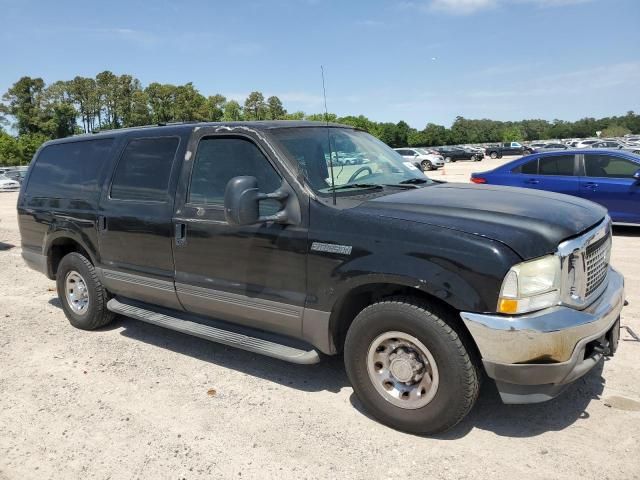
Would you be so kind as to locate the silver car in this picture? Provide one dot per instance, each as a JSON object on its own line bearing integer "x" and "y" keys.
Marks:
{"x": 422, "y": 157}
{"x": 8, "y": 185}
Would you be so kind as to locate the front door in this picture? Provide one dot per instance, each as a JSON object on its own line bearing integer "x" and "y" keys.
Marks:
{"x": 609, "y": 181}
{"x": 252, "y": 275}
{"x": 134, "y": 227}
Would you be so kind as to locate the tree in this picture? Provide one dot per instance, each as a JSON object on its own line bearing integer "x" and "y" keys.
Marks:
{"x": 189, "y": 104}
{"x": 215, "y": 107}
{"x": 10, "y": 153}
{"x": 24, "y": 103}
{"x": 232, "y": 111}
{"x": 512, "y": 134}
{"x": 161, "y": 102}
{"x": 254, "y": 107}
{"x": 615, "y": 131}
{"x": 275, "y": 108}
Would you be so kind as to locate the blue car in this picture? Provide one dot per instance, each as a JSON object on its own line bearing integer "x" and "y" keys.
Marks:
{"x": 608, "y": 177}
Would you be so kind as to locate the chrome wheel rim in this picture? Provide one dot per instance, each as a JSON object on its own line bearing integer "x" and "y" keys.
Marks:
{"x": 76, "y": 292}
{"x": 402, "y": 370}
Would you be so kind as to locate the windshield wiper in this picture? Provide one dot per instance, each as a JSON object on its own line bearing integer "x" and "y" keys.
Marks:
{"x": 413, "y": 181}
{"x": 368, "y": 186}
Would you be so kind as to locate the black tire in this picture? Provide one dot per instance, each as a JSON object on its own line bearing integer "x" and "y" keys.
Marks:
{"x": 458, "y": 385}
{"x": 449, "y": 159}
{"x": 96, "y": 314}
{"x": 426, "y": 165}
{"x": 493, "y": 155}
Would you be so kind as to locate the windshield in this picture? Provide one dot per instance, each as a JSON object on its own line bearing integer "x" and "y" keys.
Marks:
{"x": 359, "y": 160}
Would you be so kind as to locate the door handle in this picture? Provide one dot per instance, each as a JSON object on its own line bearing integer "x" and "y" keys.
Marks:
{"x": 532, "y": 181}
{"x": 102, "y": 223}
{"x": 181, "y": 234}
{"x": 591, "y": 185}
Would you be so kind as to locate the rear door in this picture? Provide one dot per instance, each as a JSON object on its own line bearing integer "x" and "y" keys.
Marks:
{"x": 553, "y": 173}
{"x": 608, "y": 180}
{"x": 134, "y": 224}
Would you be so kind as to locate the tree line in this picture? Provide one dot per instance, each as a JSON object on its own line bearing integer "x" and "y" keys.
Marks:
{"x": 39, "y": 112}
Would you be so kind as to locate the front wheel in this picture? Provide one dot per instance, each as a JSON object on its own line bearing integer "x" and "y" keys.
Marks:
{"x": 426, "y": 165}
{"x": 494, "y": 155}
{"x": 409, "y": 367}
{"x": 448, "y": 159}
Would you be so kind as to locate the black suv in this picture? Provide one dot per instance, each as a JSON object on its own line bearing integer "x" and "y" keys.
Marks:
{"x": 259, "y": 235}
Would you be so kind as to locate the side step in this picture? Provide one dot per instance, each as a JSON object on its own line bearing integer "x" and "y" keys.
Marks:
{"x": 218, "y": 335}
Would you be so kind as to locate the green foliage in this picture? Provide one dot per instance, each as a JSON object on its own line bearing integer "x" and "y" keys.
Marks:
{"x": 255, "y": 107}
{"x": 511, "y": 134}
{"x": 39, "y": 112}
{"x": 232, "y": 111}
{"x": 275, "y": 109}
{"x": 615, "y": 131}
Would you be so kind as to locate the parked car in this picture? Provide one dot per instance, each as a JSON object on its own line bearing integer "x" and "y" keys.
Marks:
{"x": 236, "y": 233}
{"x": 424, "y": 159}
{"x": 7, "y": 184}
{"x": 608, "y": 177}
{"x": 586, "y": 143}
{"x": 549, "y": 146}
{"x": 508, "y": 148}
{"x": 453, "y": 154}
{"x": 615, "y": 144}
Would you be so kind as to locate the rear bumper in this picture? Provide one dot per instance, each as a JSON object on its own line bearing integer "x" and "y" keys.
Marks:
{"x": 533, "y": 357}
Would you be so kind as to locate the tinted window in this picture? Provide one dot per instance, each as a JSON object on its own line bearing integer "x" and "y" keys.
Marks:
{"x": 69, "y": 170}
{"x": 556, "y": 165}
{"x": 218, "y": 160}
{"x": 609, "y": 166}
{"x": 144, "y": 169}
{"x": 529, "y": 168}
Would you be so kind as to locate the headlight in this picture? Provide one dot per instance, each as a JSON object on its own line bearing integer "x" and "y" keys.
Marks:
{"x": 531, "y": 286}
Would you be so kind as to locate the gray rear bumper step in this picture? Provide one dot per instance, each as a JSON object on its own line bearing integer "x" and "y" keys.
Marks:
{"x": 218, "y": 335}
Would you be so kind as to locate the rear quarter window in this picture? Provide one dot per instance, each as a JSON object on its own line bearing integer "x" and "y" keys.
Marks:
{"x": 70, "y": 170}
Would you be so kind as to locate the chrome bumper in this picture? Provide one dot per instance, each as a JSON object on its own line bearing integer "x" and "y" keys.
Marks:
{"x": 546, "y": 347}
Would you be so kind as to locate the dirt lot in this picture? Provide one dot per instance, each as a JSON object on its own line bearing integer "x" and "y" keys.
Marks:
{"x": 136, "y": 401}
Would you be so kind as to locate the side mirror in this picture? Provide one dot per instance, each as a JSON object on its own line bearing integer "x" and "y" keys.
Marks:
{"x": 242, "y": 202}
{"x": 416, "y": 154}
{"x": 637, "y": 176}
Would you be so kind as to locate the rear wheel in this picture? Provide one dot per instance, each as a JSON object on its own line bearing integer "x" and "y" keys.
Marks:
{"x": 448, "y": 159}
{"x": 83, "y": 298}
{"x": 494, "y": 155}
{"x": 426, "y": 165}
{"x": 409, "y": 367}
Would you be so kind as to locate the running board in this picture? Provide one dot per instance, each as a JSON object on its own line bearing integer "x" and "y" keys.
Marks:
{"x": 218, "y": 335}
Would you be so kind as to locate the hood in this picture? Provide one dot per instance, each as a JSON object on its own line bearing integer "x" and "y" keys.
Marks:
{"x": 531, "y": 222}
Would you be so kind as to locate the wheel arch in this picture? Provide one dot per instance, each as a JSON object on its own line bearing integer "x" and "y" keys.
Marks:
{"x": 59, "y": 244}
{"x": 352, "y": 302}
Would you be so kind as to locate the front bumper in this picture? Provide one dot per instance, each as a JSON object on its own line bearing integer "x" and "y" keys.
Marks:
{"x": 533, "y": 357}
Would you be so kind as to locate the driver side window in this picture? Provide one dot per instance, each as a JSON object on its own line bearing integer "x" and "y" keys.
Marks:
{"x": 219, "y": 159}
{"x": 609, "y": 166}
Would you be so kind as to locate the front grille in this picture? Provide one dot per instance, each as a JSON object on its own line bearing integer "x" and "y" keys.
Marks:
{"x": 585, "y": 264}
{"x": 597, "y": 263}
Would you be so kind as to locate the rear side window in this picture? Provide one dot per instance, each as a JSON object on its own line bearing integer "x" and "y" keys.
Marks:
{"x": 608, "y": 166}
{"x": 557, "y": 165}
{"x": 144, "y": 169}
{"x": 70, "y": 170}
{"x": 529, "y": 168}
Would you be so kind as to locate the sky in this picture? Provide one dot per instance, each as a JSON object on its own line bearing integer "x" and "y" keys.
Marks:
{"x": 420, "y": 61}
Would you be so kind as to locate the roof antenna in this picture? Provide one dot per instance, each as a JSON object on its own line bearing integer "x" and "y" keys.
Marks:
{"x": 326, "y": 119}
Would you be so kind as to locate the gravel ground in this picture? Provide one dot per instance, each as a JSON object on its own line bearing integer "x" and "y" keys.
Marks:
{"x": 136, "y": 401}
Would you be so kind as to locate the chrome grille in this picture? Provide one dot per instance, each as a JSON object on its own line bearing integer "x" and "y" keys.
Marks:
{"x": 585, "y": 264}
{"x": 597, "y": 263}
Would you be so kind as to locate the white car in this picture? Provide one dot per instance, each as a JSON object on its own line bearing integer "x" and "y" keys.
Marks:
{"x": 585, "y": 143}
{"x": 8, "y": 185}
{"x": 422, "y": 157}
